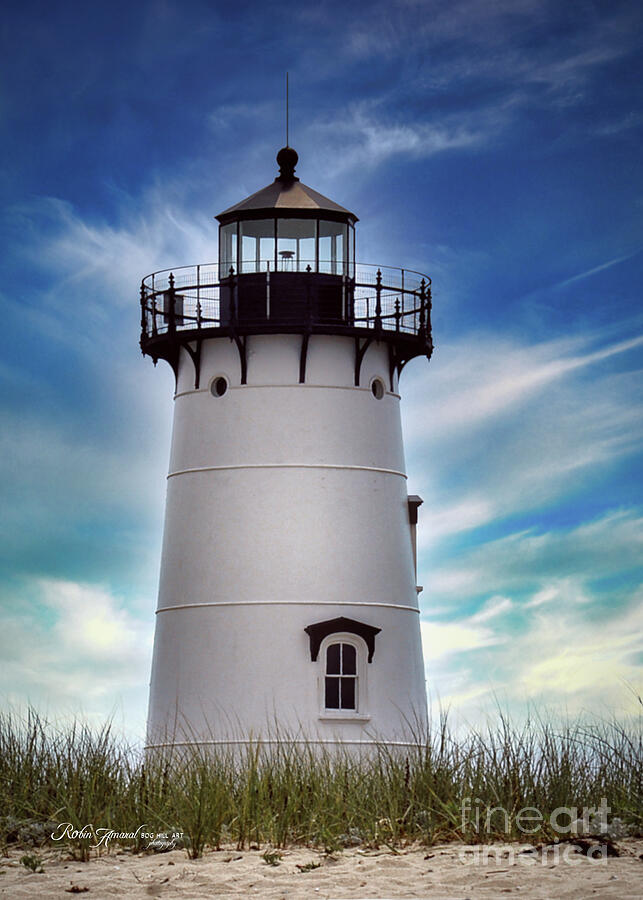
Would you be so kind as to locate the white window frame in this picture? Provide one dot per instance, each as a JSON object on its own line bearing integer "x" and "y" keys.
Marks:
{"x": 360, "y": 713}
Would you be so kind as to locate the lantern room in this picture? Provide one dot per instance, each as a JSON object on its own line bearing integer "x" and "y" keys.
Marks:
{"x": 286, "y": 266}
{"x": 285, "y": 248}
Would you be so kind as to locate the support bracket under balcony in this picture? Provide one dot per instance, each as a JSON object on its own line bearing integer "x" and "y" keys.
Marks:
{"x": 361, "y": 346}
{"x": 303, "y": 356}
{"x": 243, "y": 357}
{"x": 195, "y": 356}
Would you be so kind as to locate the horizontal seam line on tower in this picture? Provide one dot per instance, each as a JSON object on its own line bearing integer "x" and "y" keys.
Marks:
{"x": 287, "y": 603}
{"x": 285, "y": 466}
{"x": 284, "y": 741}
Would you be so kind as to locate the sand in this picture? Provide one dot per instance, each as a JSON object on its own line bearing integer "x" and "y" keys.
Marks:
{"x": 446, "y": 871}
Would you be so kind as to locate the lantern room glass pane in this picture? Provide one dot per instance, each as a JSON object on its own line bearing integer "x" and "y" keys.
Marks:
{"x": 227, "y": 249}
{"x": 296, "y": 244}
{"x": 257, "y": 245}
{"x": 333, "y": 248}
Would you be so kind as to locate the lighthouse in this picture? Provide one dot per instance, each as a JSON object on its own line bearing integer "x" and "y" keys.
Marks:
{"x": 288, "y": 597}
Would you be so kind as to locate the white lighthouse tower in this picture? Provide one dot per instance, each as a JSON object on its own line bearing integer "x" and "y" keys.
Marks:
{"x": 288, "y": 597}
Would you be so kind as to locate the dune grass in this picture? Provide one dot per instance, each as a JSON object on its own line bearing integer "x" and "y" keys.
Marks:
{"x": 302, "y": 794}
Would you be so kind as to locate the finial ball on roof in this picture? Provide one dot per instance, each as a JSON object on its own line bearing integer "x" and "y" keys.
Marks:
{"x": 287, "y": 159}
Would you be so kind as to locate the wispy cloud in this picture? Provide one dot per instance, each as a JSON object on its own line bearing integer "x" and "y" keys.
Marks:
{"x": 104, "y": 262}
{"x": 495, "y": 64}
{"x": 368, "y": 134}
{"x": 508, "y": 427}
{"x": 488, "y": 377}
{"x": 540, "y": 560}
{"x": 596, "y": 269}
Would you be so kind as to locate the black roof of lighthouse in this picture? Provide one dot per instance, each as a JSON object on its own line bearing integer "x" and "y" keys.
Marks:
{"x": 287, "y": 196}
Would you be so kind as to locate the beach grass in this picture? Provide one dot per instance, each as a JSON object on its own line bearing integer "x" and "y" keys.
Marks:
{"x": 472, "y": 788}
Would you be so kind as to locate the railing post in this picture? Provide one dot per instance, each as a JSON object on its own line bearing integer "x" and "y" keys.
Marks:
{"x": 234, "y": 296}
{"x": 378, "y": 301}
{"x": 170, "y": 295}
{"x": 143, "y": 311}
{"x": 309, "y": 301}
{"x": 198, "y": 296}
{"x": 154, "y": 311}
{"x": 397, "y": 313}
{"x": 267, "y": 289}
{"x": 422, "y": 329}
{"x": 403, "y": 292}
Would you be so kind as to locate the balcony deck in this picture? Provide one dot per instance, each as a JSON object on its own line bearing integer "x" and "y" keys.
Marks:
{"x": 193, "y": 303}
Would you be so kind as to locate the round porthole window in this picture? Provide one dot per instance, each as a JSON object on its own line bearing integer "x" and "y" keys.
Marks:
{"x": 219, "y": 386}
{"x": 378, "y": 389}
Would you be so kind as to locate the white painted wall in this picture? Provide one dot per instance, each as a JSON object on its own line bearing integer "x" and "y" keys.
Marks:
{"x": 286, "y": 506}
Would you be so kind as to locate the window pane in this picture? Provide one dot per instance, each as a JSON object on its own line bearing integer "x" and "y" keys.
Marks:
{"x": 348, "y": 693}
{"x": 257, "y": 245}
{"x": 332, "y": 693}
{"x": 267, "y": 253}
{"x": 227, "y": 248}
{"x": 295, "y": 244}
{"x": 332, "y": 247}
{"x": 348, "y": 660}
{"x": 248, "y": 254}
{"x": 332, "y": 660}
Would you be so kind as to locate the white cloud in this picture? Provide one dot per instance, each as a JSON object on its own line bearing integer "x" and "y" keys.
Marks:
{"x": 76, "y": 648}
{"x": 567, "y": 590}
{"x": 577, "y": 651}
{"x": 461, "y": 516}
{"x": 91, "y": 624}
{"x": 443, "y": 639}
{"x": 494, "y": 607}
{"x": 551, "y": 633}
{"x": 564, "y": 655}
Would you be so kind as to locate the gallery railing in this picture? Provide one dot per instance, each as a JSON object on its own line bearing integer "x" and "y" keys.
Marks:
{"x": 199, "y": 298}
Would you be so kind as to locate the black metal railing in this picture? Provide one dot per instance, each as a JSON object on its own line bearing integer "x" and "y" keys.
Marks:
{"x": 196, "y": 298}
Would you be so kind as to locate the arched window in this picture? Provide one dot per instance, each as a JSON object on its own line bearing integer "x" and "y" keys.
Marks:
{"x": 343, "y": 649}
{"x": 340, "y": 684}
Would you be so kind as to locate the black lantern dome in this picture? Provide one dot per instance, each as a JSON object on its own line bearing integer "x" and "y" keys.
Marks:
{"x": 286, "y": 265}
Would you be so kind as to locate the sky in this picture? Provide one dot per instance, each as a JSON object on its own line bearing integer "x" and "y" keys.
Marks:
{"x": 494, "y": 145}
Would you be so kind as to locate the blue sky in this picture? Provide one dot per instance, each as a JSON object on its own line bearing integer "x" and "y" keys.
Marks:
{"x": 494, "y": 145}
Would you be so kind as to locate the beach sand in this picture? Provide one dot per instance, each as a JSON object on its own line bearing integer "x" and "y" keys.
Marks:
{"x": 445, "y": 871}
